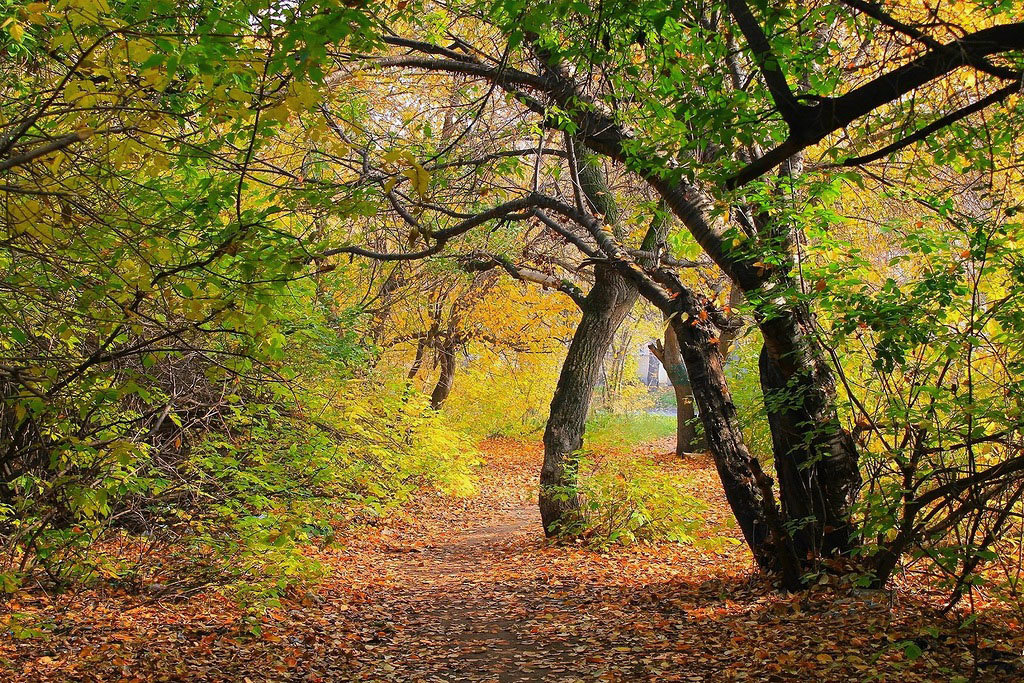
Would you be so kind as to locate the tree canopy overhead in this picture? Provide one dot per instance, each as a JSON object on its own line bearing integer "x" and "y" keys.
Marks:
{"x": 264, "y": 264}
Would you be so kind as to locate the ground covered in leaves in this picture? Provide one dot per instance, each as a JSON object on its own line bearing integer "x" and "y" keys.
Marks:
{"x": 469, "y": 590}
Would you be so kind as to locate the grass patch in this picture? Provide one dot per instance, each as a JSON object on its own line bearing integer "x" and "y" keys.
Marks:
{"x": 608, "y": 430}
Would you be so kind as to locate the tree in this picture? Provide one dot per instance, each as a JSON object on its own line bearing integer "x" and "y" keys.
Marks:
{"x": 606, "y": 306}
{"x": 668, "y": 354}
{"x": 819, "y": 477}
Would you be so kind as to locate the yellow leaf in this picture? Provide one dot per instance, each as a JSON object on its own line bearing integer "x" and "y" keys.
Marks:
{"x": 155, "y": 77}
{"x": 36, "y": 17}
{"x": 41, "y": 231}
{"x": 304, "y": 96}
{"x": 419, "y": 176}
{"x": 16, "y": 31}
{"x": 279, "y": 113}
{"x": 138, "y": 51}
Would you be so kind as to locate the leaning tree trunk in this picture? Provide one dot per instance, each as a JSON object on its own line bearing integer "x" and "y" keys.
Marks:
{"x": 417, "y": 363}
{"x": 671, "y": 358}
{"x": 606, "y": 306}
{"x": 687, "y": 439}
{"x": 728, "y": 336}
{"x": 447, "y": 377}
{"x": 747, "y": 488}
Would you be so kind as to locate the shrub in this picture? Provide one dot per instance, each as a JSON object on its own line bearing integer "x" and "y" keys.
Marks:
{"x": 245, "y": 497}
{"x": 626, "y": 500}
{"x": 504, "y": 396}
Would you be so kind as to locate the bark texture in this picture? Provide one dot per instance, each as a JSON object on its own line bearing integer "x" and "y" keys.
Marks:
{"x": 747, "y": 488}
{"x": 816, "y": 460}
{"x": 670, "y": 356}
{"x": 604, "y": 309}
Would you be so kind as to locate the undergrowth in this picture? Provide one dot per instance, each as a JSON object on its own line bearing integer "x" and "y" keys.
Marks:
{"x": 242, "y": 511}
{"x": 627, "y": 499}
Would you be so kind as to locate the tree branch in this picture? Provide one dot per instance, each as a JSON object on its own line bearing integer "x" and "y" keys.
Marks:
{"x": 768, "y": 64}
{"x": 833, "y": 113}
{"x": 875, "y": 11}
{"x": 938, "y": 124}
{"x": 484, "y": 261}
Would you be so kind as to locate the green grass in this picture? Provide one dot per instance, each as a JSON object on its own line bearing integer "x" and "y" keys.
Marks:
{"x": 606, "y": 430}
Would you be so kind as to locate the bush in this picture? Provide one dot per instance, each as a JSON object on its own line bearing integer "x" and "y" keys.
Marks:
{"x": 283, "y": 481}
{"x": 625, "y": 500}
{"x": 499, "y": 395}
{"x": 624, "y": 398}
{"x": 234, "y": 501}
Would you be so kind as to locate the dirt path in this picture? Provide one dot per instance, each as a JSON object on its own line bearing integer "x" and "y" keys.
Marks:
{"x": 472, "y": 592}
{"x": 457, "y": 608}
{"x": 460, "y": 607}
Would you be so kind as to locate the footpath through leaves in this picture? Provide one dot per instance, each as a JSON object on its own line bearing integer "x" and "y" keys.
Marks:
{"x": 468, "y": 589}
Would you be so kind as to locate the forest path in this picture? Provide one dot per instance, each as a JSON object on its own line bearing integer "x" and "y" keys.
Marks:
{"x": 463, "y": 614}
{"x": 469, "y": 590}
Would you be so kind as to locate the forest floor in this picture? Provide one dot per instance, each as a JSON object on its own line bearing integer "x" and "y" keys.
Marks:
{"x": 469, "y": 590}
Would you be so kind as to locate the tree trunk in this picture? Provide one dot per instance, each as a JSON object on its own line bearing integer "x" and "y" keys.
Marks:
{"x": 729, "y": 334}
{"x": 447, "y": 377}
{"x": 606, "y": 306}
{"x": 687, "y": 440}
{"x": 815, "y": 459}
{"x": 417, "y": 362}
{"x": 670, "y": 356}
{"x": 747, "y": 488}
{"x": 651, "y": 380}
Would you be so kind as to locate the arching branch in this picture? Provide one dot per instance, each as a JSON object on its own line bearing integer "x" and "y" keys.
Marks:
{"x": 833, "y": 113}
{"x": 481, "y": 261}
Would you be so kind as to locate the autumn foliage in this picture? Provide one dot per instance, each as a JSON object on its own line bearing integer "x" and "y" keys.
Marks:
{"x": 298, "y": 300}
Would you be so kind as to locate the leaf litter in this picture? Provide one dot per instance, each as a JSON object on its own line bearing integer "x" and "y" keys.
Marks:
{"x": 468, "y": 589}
